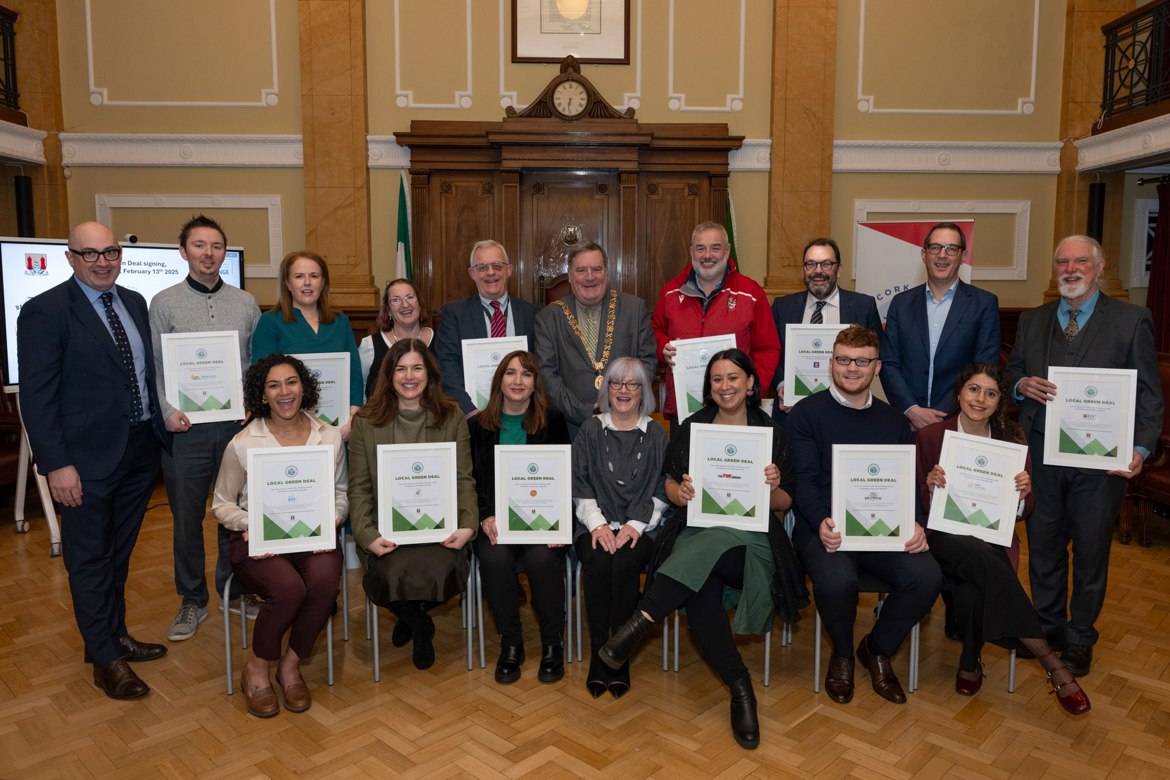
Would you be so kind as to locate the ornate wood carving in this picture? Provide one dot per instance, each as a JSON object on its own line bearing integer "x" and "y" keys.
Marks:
{"x": 545, "y": 107}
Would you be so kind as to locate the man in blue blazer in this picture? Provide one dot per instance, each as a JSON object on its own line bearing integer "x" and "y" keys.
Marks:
{"x": 934, "y": 330}
{"x": 824, "y": 301}
{"x": 491, "y": 311}
{"x": 1079, "y": 505}
{"x": 90, "y": 408}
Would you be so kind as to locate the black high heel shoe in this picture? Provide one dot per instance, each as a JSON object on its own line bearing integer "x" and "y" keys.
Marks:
{"x": 597, "y": 680}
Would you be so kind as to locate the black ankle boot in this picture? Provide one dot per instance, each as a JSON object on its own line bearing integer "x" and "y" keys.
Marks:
{"x": 624, "y": 641}
{"x": 745, "y": 725}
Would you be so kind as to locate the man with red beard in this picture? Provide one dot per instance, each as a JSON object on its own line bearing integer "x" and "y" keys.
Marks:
{"x": 1088, "y": 329}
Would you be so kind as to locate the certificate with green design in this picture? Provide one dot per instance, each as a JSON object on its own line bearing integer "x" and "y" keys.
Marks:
{"x": 808, "y": 349}
{"x": 202, "y": 376}
{"x": 690, "y": 366}
{"x": 873, "y": 496}
{"x": 331, "y": 370}
{"x": 1089, "y": 424}
{"x": 480, "y": 359}
{"x": 980, "y": 498}
{"x": 416, "y": 492}
{"x": 534, "y": 493}
{"x": 291, "y": 504}
{"x": 727, "y": 465}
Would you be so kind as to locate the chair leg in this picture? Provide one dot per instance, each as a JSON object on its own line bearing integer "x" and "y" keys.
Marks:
{"x": 665, "y": 645}
{"x": 1012, "y": 672}
{"x": 580, "y": 597}
{"x": 568, "y": 610}
{"x": 329, "y": 648}
{"x": 344, "y": 588}
{"x": 227, "y": 632}
{"x": 817, "y": 656}
{"x": 768, "y": 657}
{"x": 479, "y": 616}
{"x": 466, "y": 610}
{"x": 675, "y": 639}
{"x": 372, "y": 614}
{"x": 915, "y": 649}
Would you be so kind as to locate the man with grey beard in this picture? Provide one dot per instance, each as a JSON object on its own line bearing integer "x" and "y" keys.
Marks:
{"x": 823, "y": 302}
{"x": 1088, "y": 329}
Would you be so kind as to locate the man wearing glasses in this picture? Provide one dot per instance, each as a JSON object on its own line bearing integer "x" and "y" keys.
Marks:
{"x": 823, "y": 302}
{"x": 935, "y": 329}
{"x": 92, "y": 415}
{"x": 200, "y": 303}
{"x": 710, "y": 297}
{"x": 848, "y": 413}
{"x": 490, "y": 313}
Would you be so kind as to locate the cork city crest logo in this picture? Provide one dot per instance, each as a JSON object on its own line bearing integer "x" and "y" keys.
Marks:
{"x": 981, "y": 461}
{"x": 35, "y": 264}
{"x": 816, "y": 343}
{"x": 730, "y": 450}
{"x": 496, "y": 357}
{"x": 1090, "y": 392}
{"x": 533, "y": 468}
{"x": 316, "y": 372}
{"x": 201, "y": 353}
{"x": 416, "y": 467}
{"x": 874, "y": 469}
{"x": 291, "y": 472}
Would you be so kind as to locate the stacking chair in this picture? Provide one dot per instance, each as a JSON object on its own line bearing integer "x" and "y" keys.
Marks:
{"x": 578, "y": 579}
{"x": 478, "y": 611}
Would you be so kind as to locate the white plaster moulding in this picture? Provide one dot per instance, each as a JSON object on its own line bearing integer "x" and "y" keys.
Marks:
{"x": 104, "y": 204}
{"x": 200, "y": 151}
{"x": 1125, "y": 148}
{"x": 945, "y": 157}
{"x": 384, "y": 152}
{"x": 22, "y": 143}
{"x": 404, "y": 98}
{"x": 1022, "y": 209}
{"x": 676, "y": 100}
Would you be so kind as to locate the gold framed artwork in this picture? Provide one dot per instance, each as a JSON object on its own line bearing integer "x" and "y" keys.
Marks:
{"x": 593, "y": 31}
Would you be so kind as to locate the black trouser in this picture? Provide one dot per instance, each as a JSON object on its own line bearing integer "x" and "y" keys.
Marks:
{"x": 545, "y": 567}
{"x": 706, "y": 616}
{"x": 611, "y": 584}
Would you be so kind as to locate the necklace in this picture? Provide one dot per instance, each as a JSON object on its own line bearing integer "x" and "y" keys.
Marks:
{"x": 290, "y": 431}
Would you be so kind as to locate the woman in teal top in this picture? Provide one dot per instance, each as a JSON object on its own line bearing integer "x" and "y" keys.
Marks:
{"x": 302, "y": 323}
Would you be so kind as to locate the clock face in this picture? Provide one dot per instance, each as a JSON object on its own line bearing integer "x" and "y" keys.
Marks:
{"x": 570, "y": 98}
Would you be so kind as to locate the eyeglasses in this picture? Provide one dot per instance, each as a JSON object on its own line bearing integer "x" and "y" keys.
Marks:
{"x": 822, "y": 265}
{"x": 112, "y": 253}
{"x": 398, "y": 300}
{"x": 484, "y": 267}
{"x": 631, "y": 386}
{"x": 936, "y": 249}
{"x": 841, "y": 360}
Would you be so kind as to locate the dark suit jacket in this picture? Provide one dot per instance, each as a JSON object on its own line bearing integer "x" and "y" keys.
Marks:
{"x": 568, "y": 375}
{"x": 1118, "y": 335}
{"x": 74, "y": 392}
{"x": 464, "y": 319}
{"x": 855, "y": 307}
{"x": 970, "y": 334}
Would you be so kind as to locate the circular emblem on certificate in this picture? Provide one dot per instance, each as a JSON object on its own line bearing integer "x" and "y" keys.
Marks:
{"x": 316, "y": 372}
{"x": 201, "y": 353}
{"x": 1090, "y": 391}
{"x": 981, "y": 461}
{"x": 705, "y": 355}
{"x": 496, "y": 357}
{"x": 416, "y": 467}
{"x": 533, "y": 468}
{"x": 874, "y": 469}
{"x": 816, "y": 343}
{"x": 730, "y": 450}
{"x": 291, "y": 471}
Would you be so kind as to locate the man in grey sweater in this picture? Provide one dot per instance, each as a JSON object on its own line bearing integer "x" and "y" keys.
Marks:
{"x": 200, "y": 303}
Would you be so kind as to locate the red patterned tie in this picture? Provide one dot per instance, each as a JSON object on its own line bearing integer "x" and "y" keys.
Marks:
{"x": 499, "y": 326}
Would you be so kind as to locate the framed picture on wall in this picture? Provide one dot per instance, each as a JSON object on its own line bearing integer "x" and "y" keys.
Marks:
{"x": 593, "y": 31}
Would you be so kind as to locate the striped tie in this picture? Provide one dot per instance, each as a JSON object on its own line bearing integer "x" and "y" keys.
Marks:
{"x": 499, "y": 326}
{"x": 123, "y": 344}
{"x": 818, "y": 318}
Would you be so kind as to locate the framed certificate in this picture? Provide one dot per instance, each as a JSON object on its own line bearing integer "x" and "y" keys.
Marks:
{"x": 202, "y": 376}
{"x": 291, "y": 505}
{"x": 481, "y": 357}
{"x": 416, "y": 492}
{"x": 331, "y": 370}
{"x": 980, "y": 498}
{"x": 690, "y": 366}
{"x": 727, "y": 466}
{"x": 533, "y": 494}
{"x": 873, "y": 495}
{"x": 808, "y": 349}
{"x": 1089, "y": 424}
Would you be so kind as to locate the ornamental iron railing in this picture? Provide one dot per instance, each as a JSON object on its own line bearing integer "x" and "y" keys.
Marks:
{"x": 9, "y": 96}
{"x": 1137, "y": 59}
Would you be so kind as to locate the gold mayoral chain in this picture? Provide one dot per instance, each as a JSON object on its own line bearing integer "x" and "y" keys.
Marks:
{"x": 611, "y": 315}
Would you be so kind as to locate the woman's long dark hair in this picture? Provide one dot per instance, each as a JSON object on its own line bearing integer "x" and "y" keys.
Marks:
{"x": 536, "y": 418}
{"x": 1003, "y": 427}
{"x": 382, "y": 407}
{"x": 741, "y": 359}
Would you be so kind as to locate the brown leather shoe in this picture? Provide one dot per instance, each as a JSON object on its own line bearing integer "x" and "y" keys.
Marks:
{"x": 136, "y": 651}
{"x": 119, "y": 681}
{"x": 261, "y": 701}
{"x": 881, "y": 673}
{"x": 296, "y": 696}
{"x": 839, "y": 680}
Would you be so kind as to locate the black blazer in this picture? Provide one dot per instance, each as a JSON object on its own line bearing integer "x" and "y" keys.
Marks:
{"x": 464, "y": 319}
{"x": 483, "y": 455}
{"x": 74, "y": 392}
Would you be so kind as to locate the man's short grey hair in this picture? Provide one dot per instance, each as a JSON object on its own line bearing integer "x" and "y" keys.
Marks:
{"x": 627, "y": 369}
{"x": 487, "y": 242}
{"x": 1098, "y": 253}
{"x": 704, "y": 226}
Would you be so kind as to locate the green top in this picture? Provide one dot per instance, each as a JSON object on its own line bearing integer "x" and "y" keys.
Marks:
{"x": 511, "y": 429}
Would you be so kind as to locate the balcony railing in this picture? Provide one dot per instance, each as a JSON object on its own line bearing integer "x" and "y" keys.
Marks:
{"x": 1137, "y": 59}
{"x": 9, "y": 95}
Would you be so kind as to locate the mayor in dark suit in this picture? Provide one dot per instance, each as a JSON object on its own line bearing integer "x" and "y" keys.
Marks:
{"x": 90, "y": 408}
{"x": 934, "y": 330}
{"x": 489, "y": 313}
{"x": 578, "y": 336}
{"x": 1085, "y": 328}
{"x": 822, "y": 303}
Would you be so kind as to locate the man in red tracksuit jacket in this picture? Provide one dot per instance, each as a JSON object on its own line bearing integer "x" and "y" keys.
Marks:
{"x": 711, "y": 298}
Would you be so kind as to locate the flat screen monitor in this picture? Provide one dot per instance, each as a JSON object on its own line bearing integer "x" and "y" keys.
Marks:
{"x": 29, "y": 266}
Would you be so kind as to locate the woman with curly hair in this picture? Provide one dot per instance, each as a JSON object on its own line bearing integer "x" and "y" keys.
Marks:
{"x": 402, "y": 316}
{"x": 409, "y": 407}
{"x": 983, "y": 574}
{"x": 298, "y": 590}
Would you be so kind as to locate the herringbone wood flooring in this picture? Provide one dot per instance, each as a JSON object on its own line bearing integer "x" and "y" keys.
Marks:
{"x": 448, "y": 722}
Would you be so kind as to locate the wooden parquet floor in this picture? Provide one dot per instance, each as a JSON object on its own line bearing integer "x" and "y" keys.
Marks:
{"x": 448, "y": 722}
